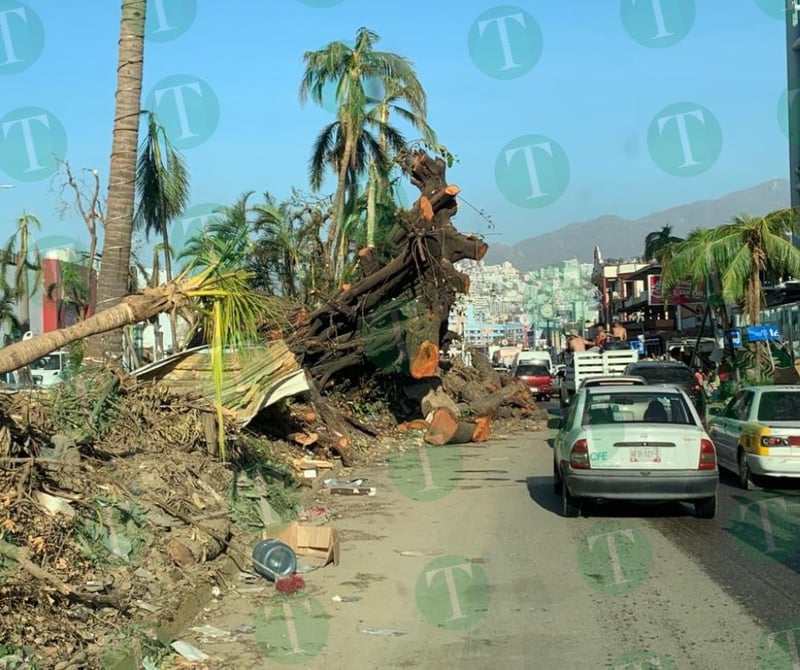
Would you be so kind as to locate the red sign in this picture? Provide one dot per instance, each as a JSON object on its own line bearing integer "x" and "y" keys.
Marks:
{"x": 682, "y": 293}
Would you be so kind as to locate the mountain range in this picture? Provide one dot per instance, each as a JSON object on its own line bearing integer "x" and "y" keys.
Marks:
{"x": 624, "y": 238}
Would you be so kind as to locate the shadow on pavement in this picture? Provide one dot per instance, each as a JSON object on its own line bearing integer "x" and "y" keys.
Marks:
{"x": 540, "y": 489}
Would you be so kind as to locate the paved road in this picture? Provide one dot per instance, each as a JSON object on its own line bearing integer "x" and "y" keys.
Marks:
{"x": 493, "y": 577}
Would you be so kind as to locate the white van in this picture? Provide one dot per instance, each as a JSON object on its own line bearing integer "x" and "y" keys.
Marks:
{"x": 542, "y": 357}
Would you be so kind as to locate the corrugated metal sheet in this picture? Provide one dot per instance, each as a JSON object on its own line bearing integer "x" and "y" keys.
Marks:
{"x": 253, "y": 378}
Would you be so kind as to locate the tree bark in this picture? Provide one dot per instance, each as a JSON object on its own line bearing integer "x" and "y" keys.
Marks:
{"x": 112, "y": 283}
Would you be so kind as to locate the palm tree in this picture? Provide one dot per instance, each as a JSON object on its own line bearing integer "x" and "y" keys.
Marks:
{"x": 21, "y": 252}
{"x": 407, "y": 102}
{"x": 162, "y": 181}
{"x": 112, "y": 283}
{"x": 659, "y": 244}
{"x": 739, "y": 255}
{"x": 343, "y": 144}
{"x": 228, "y": 235}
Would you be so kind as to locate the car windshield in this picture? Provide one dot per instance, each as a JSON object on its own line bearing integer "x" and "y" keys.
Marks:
{"x": 49, "y": 362}
{"x": 665, "y": 375}
{"x": 779, "y": 406}
{"x": 532, "y": 371}
{"x": 630, "y": 407}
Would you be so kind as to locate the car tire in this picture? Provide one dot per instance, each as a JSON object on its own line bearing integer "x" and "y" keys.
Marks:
{"x": 570, "y": 505}
{"x": 706, "y": 508}
{"x": 744, "y": 476}
{"x": 557, "y": 483}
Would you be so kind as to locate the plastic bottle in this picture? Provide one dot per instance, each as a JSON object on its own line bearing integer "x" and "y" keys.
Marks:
{"x": 274, "y": 559}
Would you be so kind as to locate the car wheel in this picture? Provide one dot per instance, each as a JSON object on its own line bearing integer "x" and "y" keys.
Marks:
{"x": 547, "y": 398}
{"x": 557, "y": 483}
{"x": 706, "y": 508}
{"x": 745, "y": 476}
{"x": 570, "y": 505}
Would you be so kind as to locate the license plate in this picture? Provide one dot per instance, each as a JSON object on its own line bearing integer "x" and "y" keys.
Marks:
{"x": 645, "y": 455}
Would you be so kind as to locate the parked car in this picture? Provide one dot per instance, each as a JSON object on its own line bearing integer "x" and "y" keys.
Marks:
{"x": 638, "y": 443}
{"x": 611, "y": 380}
{"x": 669, "y": 372}
{"x": 757, "y": 434}
{"x": 537, "y": 377}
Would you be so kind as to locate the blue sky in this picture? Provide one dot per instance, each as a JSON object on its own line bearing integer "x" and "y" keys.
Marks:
{"x": 551, "y": 106}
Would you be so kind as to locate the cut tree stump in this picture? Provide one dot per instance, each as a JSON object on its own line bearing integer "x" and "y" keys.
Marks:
{"x": 444, "y": 427}
{"x": 483, "y": 429}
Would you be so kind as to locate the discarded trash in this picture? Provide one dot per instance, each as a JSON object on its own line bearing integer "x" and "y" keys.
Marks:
{"x": 385, "y": 632}
{"x": 345, "y": 599}
{"x": 210, "y": 631}
{"x": 310, "y": 541}
{"x": 412, "y": 553}
{"x": 189, "y": 651}
{"x": 290, "y": 584}
{"x": 244, "y": 629}
{"x": 274, "y": 559}
{"x": 216, "y": 591}
{"x": 340, "y": 482}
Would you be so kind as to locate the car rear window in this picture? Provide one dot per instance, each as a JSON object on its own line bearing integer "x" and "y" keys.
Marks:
{"x": 627, "y": 407}
{"x": 665, "y": 375}
{"x": 779, "y": 406}
{"x": 533, "y": 370}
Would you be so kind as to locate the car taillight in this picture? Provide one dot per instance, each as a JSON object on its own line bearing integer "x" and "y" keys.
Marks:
{"x": 579, "y": 455}
{"x": 708, "y": 456}
{"x": 773, "y": 441}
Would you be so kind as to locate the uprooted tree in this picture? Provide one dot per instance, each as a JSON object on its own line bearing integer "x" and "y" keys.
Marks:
{"x": 393, "y": 319}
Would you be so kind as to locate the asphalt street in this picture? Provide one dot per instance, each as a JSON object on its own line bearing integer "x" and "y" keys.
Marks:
{"x": 462, "y": 560}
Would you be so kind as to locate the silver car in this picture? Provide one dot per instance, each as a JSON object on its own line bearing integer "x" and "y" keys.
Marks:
{"x": 637, "y": 442}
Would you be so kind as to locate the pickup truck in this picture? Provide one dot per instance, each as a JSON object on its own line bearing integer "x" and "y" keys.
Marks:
{"x": 594, "y": 364}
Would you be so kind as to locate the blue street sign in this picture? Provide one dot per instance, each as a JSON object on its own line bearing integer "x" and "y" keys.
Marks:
{"x": 637, "y": 345}
{"x": 763, "y": 333}
{"x": 735, "y": 337}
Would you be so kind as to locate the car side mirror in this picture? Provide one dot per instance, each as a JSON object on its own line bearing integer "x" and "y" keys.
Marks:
{"x": 555, "y": 423}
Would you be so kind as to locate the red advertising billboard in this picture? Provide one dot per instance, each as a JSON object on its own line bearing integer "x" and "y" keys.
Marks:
{"x": 682, "y": 293}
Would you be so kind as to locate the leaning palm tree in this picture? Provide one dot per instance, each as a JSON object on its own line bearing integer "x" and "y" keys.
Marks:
{"x": 22, "y": 252}
{"x": 659, "y": 244}
{"x": 738, "y": 255}
{"x": 112, "y": 283}
{"x": 349, "y": 68}
{"x": 162, "y": 182}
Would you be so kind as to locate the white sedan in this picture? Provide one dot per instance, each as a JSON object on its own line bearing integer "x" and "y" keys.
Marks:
{"x": 639, "y": 443}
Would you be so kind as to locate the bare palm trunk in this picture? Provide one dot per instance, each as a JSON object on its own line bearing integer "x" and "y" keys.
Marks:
{"x": 114, "y": 270}
{"x": 173, "y": 316}
{"x": 371, "y": 210}
{"x": 337, "y": 223}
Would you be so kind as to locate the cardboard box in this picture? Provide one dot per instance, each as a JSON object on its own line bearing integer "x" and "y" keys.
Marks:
{"x": 320, "y": 542}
